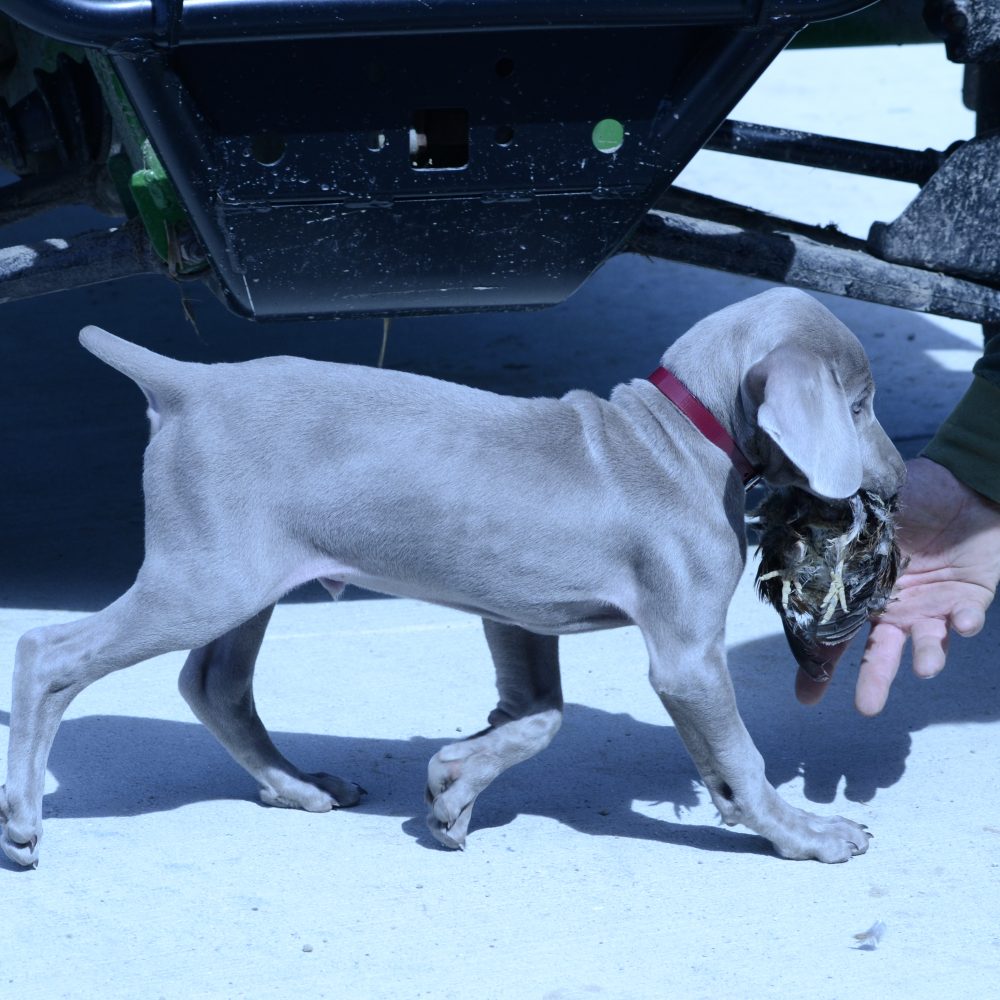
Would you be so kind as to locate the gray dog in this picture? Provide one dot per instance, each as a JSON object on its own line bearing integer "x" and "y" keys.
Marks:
{"x": 543, "y": 516}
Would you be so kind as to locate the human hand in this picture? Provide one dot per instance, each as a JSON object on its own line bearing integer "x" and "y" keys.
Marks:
{"x": 951, "y": 536}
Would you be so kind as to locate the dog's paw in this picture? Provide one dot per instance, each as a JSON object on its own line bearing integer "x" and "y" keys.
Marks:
{"x": 18, "y": 842}
{"x": 448, "y": 797}
{"x": 24, "y": 854}
{"x": 830, "y": 839}
{"x": 448, "y": 830}
{"x": 318, "y": 792}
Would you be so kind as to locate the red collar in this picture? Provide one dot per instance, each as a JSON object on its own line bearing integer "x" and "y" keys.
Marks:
{"x": 699, "y": 415}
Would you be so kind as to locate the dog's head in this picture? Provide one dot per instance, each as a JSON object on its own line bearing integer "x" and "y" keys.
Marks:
{"x": 808, "y": 402}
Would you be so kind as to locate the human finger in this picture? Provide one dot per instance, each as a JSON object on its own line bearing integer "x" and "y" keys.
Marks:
{"x": 968, "y": 619}
{"x": 879, "y": 666}
{"x": 930, "y": 647}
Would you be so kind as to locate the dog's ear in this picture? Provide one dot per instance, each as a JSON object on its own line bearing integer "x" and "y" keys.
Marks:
{"x": 803, "y": 409}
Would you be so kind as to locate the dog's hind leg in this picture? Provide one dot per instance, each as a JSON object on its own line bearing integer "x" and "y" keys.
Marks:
{"x": 527, "y": 717}
{"x": 55, "y": 663}
{"x": 217, "y": 682}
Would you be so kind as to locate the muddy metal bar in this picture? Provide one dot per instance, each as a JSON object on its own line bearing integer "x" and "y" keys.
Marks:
{"x": 830, "y": 153}
{"x": 108, "y": 23}
{"x": 88, "y": 259}
{"x": 696, "y": 229}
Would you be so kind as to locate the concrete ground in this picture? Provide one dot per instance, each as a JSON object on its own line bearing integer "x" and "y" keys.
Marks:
{"x": 599, "y": 869}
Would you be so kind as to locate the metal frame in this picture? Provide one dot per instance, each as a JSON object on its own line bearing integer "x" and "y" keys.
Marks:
{"x": 403, "y": 242}
{"x": 186, "y": 168}
{"x": 111, "y": 23}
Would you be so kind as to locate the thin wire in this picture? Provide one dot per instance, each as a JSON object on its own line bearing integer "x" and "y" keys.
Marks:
{"x": 386, "y": 323}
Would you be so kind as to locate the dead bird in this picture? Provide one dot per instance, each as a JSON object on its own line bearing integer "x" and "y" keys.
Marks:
{"x": 826, "y": 566}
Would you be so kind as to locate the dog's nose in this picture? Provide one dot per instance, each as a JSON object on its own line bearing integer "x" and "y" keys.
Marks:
{"x": 887, "y": 471}
{"x": 890, "y": 481}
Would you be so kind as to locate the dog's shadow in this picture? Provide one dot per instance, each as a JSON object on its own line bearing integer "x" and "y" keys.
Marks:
{"x": 591, "y": 778}
{"x": 601, "y": 762}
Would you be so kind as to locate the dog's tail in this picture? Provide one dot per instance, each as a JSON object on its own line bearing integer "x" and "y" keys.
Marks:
{"x": 160, "y": 378}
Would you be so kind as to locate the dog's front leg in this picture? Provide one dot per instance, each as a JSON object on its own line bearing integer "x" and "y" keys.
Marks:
{"x": 696, "y": 690}
{"x": 527, "y": 717}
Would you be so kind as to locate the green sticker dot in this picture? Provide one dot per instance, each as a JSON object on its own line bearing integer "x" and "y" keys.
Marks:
{"x": 608, "y": 135}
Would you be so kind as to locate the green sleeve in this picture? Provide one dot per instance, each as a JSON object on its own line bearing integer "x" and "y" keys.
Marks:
{"x": 988, "y": 366}
{"x": 968, "y": 442}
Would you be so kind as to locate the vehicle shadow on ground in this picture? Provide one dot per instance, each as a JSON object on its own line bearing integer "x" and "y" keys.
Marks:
{"x": 591, "y": 778}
